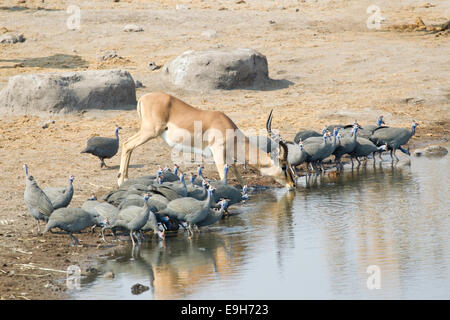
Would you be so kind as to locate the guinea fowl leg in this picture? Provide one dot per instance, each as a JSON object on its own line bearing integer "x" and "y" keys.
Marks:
{"x": 72, "y": 237}
{"x": 396, "y": 158}
{"x": 103, "y": 234}
{"x": 132, "y": 239}
{"x": 38, "y": 226}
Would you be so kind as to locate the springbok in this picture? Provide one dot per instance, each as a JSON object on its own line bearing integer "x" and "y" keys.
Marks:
{"x": 178, "y": 124}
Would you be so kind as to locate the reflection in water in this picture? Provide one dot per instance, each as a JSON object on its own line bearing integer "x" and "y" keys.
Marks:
{"x": 314, "y": 243}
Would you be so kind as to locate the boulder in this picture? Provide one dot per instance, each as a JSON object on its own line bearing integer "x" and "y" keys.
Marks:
{"x": 431, "y": 151}
{"x": 218, "y": 69}
{"x": 69, "y": 92}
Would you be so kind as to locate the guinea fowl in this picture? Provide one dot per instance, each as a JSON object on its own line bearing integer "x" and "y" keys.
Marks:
{"x": 178, "y": 186}
{"x": 364, "y": 147}
{"x": 135, "y": 218}
{"x": 214, "y": 215}
{"x": 190, "y": 210}
{"x": 346, "y": 145}
{"x": 318, "y": 149}
{"x": 157, "y": 202}
{"x": 60, "y": 197}
{"x": 367, "y": 130}
{"x": 169, "y": 176}
{"x": 164, "y": 190}
{"x": 224, "y": 190}
{"x": 194, "y": 191}
{"x": 73, "y": 220}
{"x": 106, "y": 210}
{"x": 305, "y": 134}
{"x": 37, "y": 202}
{"x": 296, "y": 153}
{"x": 394, "y": 138}
{"x": 103, "y": 148}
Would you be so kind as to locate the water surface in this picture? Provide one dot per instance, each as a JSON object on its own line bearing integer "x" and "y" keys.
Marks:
{"x": 316, "y": 243}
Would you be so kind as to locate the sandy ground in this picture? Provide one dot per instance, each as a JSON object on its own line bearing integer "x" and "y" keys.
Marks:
{"x": 340, "y": 71}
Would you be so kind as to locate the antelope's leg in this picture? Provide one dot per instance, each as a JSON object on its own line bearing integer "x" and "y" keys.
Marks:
{"x": 135, "y": 141}
{"x": 219, "y": 159}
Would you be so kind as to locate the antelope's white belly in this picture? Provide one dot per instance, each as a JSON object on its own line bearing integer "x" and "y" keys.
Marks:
{"x": 182, "y": 143}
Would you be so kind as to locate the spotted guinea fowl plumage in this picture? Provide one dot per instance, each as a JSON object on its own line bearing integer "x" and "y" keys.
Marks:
{"x": 37, "y": 202}
{"x": 103, "y": 148}
{"x": 60, "y": 196}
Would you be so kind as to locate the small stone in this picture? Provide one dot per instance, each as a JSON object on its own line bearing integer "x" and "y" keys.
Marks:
{"x": 182, "y": 7}
{"x": 109, "y": 275}
{"x": 272, "y": 21}
{"x": 12, "y": 38}
{"x": 47, "y": 123}
{"x": 431, "y": 151}
{"x": 133, "y": 28}
{"x": 138, "y": 288}
{"x": 109, "y": 55}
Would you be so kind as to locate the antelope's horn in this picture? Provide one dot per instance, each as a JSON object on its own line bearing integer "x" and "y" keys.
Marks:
{"x": 269, "y": 123}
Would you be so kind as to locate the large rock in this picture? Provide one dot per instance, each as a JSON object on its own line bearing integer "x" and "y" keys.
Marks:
{"x": 218, "y": 69}
{"x": 69, "y": 92}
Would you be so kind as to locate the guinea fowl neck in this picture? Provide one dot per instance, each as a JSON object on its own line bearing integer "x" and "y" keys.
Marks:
{"x": 225, "y": 173}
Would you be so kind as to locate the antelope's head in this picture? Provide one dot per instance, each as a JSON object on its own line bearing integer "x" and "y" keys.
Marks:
{"x": 283, "y": 172}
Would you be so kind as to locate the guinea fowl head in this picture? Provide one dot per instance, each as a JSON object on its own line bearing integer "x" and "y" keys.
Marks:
{"x": 147, "y": 196}
{"x": 71, "y": 178}
{"x": 413, "y": 127}
{"x": 117, "y": 130}
{"x": 380, "y": 121}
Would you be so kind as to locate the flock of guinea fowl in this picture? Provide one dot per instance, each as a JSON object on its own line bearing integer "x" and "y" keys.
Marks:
{"x": 167, "y": 202}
